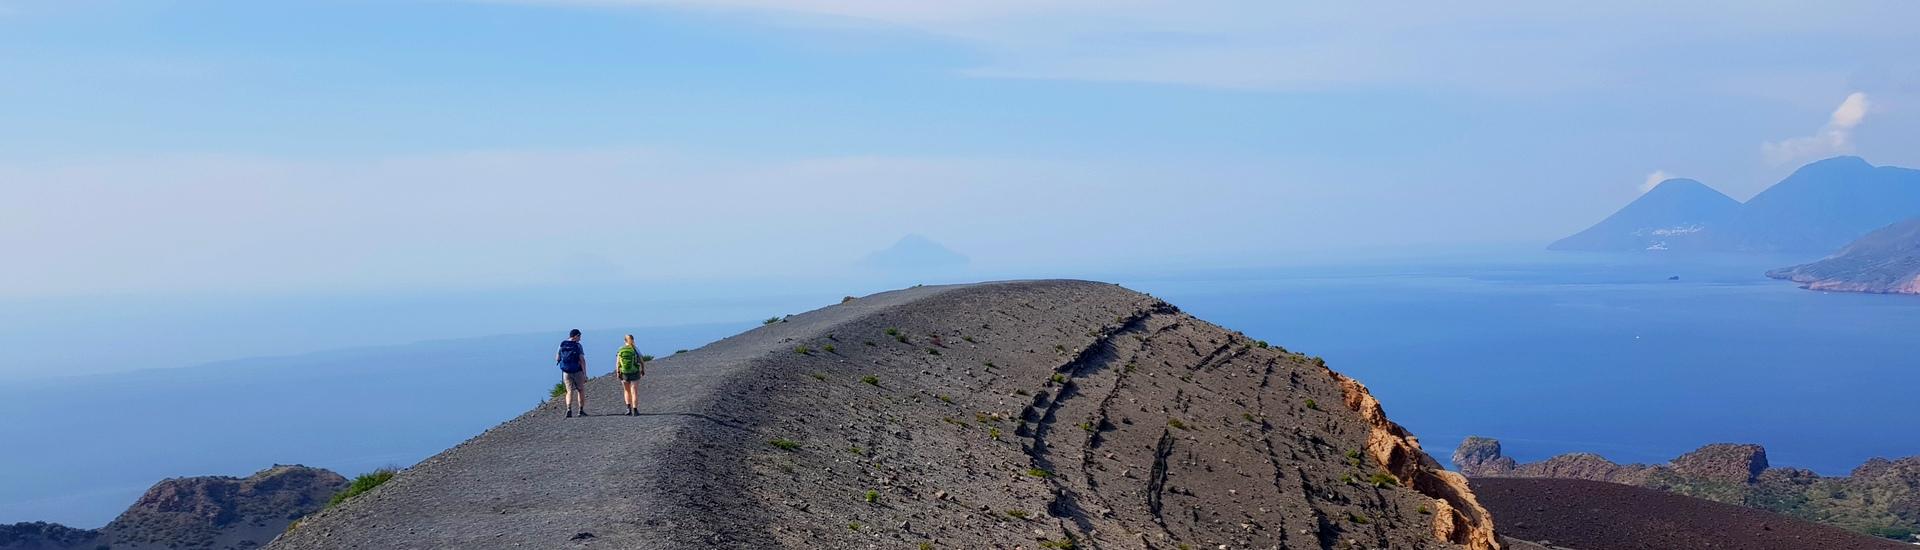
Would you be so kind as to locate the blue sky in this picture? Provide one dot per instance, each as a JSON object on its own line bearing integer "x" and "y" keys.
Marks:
{"x": 169, "y": 146}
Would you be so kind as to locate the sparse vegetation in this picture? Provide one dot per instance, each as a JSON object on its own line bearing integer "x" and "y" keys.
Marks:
{"x": 645, "y": 358}
{"x": 1021, "y": 392}
{"x": 1175, "y": 422}
{"x": 857, "y": 450}
{"x": 785, "y": 444}
{"x": 1424, "y": 510}
{"x": 361, "y": 484}
{"x": 1313, "y": 405}
{"x": 1018, "y": 514}
{"x": 770, "y": 320}
{"x": 1346, "y": 479}
{"x": 993, "y": 432}
{"x": 1129, "y": 368}
{"x": 870, "y": 343}
{"x": 902, "y": 338}
{"x": 933, "y": 351}
{"x": 990, "y": 365}
{"x": 1059, "y": 544}
{"x": 871, "y": 380}
{"x": 1382, "y": 480}
{"x": 926, "y": 546}
{"x": 1086, "y": 426}
{"x": 1262, "y": 344}
{"x": 1059, "y": 348}
{"x": 1058, "y": 378}
{"x": 827, "y": 348}
{"x": 819, "y": 376}
{"x": 679, "y": 351}
{"x": 872, "y": 496}
{"x": 1353, "y": 458}
{"x": 1357, "y": 518}
{"x": 893, "y": 332}
{"x": 1039, "y": 473}
{"x": 945, "y": 399}
{"x": 853, "y": 526}
{"x": 1246, "y": 416}
{"x": 559, "y": 389}
{"x": 803, "y": 350}
{"x": 969, "y": 339}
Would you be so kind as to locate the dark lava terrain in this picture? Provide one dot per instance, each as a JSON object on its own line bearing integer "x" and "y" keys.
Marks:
{"x": 1596, "y": 515}
{"x": 1045, "y": 414}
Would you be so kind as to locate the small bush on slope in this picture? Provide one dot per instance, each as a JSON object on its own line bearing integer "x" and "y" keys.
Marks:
{"x": 366, "y": 482}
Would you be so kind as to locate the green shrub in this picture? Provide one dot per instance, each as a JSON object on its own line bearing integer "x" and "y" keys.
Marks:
{"x": 1313, "y": 405}
{"x": 1382, "y": 480}
{"x": 365, "y": 482}
{"x": 872, "y": 496}
{"x": 1262, "y": 344}
{"x": 902, "y": 338}
{"x": 644, "y": 358}
{"x": 871, "y": 380}
{"x": 819, "y": 376}
{"x": 1058, "y": 378}
{"x": 827, "y": 348}
{"x": 559, "y": 389}
{"x": 785, "y": 444}
{"x": 990, "y": 365}
{"x": 803, "y": 350}
{"x": 993, "y": 432}
{"x": 933, "y": 351}
{"x": 1246, "y": 416}
{"x": 1059, "y": 544}
{"x": 679, "y": 351}
{"x": 969, "y": 339}
{"x": 870, "y": 343}
{"x": 1424, "y": 510}
{"x": 1175, "y": 422}
{"x": 1356, "y": 518}
{"x": 947, "y": 400}
{"x": 1087, "y": 426}
{"x": 1017, "y": 514}
{"x": 893, "y": 332}
{"x": 1039, "y": 473}
{"x": 770, "y": 320}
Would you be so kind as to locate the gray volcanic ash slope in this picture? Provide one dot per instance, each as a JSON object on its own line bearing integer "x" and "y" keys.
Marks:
{"x": 1000, "y": 415}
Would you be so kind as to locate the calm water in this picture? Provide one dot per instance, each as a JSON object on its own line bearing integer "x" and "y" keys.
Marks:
{"x": 1548, "y": 353}
{"x": 1601, "y": 354}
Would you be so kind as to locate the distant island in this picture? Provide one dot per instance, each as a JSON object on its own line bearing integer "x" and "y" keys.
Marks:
{"x": 1818, "y": 208}
{"x": 1886, "y": 261}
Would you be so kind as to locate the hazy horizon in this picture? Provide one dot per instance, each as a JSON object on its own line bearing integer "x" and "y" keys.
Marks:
{"x": 305, "y": 147}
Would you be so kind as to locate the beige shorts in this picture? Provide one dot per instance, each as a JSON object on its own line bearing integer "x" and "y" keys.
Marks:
{"x": 576, "y": 380}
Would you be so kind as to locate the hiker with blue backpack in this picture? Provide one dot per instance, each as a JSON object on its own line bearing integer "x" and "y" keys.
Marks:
{"x": 572, "y": 360}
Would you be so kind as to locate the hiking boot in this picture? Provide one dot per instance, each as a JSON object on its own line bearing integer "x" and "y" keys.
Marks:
{"x": 569, "y": 413}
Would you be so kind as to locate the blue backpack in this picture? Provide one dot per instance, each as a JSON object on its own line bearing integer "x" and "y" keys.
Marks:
{"x": 570, "y": 354}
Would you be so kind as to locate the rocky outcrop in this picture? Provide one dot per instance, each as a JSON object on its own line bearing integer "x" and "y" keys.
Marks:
{"x": 1723, "y": 462}
{"x": 212, "y": 512}
{"x": 1457, "y": 516}
{"x": 1058, "y": 414}
{"x": 1881, "y": 497}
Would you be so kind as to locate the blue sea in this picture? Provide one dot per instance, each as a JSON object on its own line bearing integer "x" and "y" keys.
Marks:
{"x": 1638, "y": 358}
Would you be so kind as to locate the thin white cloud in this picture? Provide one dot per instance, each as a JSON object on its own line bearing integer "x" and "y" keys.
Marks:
{"x": 1257, "y": 45}
{"x": 1836, "y": 137}
{"x": 1654, "y": 179}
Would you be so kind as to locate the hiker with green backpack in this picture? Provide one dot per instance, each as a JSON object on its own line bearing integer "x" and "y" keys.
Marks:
{"x": 630, "y": 366}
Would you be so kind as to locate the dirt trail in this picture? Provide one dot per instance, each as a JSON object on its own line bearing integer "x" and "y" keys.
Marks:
{"x": 995, "y": 415}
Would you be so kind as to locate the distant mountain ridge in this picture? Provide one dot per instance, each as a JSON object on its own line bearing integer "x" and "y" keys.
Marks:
{"x": 210, "y": 512}
{"x": 1674, "y": 214}
{"x": 1818, "y": 208}
{"x": 1886, "y": 261}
